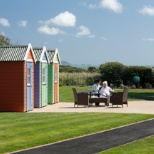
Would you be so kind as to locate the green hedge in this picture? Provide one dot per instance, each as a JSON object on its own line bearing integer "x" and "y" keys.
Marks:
{"x": 117, "y": 75}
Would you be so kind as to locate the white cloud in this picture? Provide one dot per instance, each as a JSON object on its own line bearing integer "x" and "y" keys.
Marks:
{"x": 22, "y": 23}
{"x": 63, "y": 19}
{"x": 84, "y": 31}
{"x": 148, "y": 39}
{"x": 4, "y": 22}
{"x": 50, "y": 31}
{"x": 147, "y": 10}
{"x": 113, "y": 5}
{"x": 91, "y": 6}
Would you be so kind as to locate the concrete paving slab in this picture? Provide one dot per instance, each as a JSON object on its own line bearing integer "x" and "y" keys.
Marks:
{"x": 145, "y": 107}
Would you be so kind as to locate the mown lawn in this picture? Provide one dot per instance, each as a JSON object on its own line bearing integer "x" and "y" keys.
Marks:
{"x": 24, "y": 130}
{"x": 66, "y": 94}
{"x": 143, "y": 146}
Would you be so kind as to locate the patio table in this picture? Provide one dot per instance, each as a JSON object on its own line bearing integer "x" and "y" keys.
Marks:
{"x": 101, "y": 99}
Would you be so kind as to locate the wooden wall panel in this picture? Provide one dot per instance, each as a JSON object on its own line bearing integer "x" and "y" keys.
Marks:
{"x": 33, "y": 86}
{"x": 56, "y": 83}
{"x": 11, "y": 86}
{"x": 37, "y": 94}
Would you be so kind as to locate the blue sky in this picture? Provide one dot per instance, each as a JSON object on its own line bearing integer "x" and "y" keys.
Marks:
{"x": 84, "y": 31}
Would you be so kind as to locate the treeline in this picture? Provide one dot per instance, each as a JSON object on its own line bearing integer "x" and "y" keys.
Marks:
{"x": 71, "y": 69}
{"x": 117, "y": 75}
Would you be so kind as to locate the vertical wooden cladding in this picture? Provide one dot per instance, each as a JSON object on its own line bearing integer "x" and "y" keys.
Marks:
{"x": 31, "y": 59}
{"x": 37, "y": 101}
{"x": 50, "y": 84}
{"x": 33, "y": 85}
{"x": 56, "y": 83}
{"x": 25, "y": 86}
{"x": 11, "y": 86}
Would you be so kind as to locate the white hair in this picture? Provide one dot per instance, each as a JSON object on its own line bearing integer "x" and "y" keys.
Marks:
{"x": 105, "y": 82}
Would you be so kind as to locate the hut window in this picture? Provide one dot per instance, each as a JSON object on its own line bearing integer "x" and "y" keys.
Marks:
{"x": 44, "y": 76}
{"x": 28, "y": 76}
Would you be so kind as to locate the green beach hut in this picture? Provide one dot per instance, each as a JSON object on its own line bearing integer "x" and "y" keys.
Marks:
{"x": 53, "y": 76}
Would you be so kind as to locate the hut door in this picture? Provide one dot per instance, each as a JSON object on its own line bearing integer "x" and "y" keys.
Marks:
{"x": 44, "y": 84}
{"x": 56, "y": 90}
{"x": 29, "y": 86}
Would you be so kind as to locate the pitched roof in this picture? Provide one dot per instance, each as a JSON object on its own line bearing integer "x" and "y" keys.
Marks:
{"x": 14, "y": 53}
{"x": 52, "y": 54}
{"x": 39, "y": 52}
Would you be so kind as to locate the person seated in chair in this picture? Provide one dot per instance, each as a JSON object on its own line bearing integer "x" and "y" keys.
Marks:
{"x": 96, "y": 86}
{"x": 106, "y": 90}
{"x": 95, "y": 89}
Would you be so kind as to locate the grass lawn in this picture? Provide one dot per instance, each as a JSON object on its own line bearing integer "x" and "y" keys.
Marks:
{"x": 66, "y": 94}
{"x": 24, "y": 130}
{"x": 143, "y": 146}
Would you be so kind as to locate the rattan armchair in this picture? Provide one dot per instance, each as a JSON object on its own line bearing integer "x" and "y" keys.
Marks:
{"x": 120, "y": 98}
{"x": 80, "y": 98}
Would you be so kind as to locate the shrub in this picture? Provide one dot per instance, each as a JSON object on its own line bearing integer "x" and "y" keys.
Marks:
{"x": 147, "y": 86}
{"x": 121, "y": 86}
{"x": 133, "y": 86}
{"x": 112, "y": 72}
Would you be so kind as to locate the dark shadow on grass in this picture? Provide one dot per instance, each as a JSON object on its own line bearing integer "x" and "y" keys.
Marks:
{"x": 141, "y": 95}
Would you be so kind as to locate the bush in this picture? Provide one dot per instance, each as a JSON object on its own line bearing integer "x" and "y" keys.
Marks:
{"x": 112, "y": 72}
{"x": 121, "y": 86}
{"x": 146, "y": 75}
{"x": 133, "y": 86}
{"x": 70, "y": 82}
{"x": 147, "y": 86}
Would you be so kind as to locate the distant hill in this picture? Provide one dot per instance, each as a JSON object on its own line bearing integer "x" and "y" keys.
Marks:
{"x": 85, "y": 66}
{"x": 65, "y": 63}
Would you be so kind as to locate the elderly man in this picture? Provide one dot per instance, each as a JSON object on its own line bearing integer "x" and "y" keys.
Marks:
{"x": 106, "y": 90}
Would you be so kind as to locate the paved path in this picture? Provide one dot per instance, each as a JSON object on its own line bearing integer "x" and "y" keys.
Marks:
{"x": 98, "y": 142}
{"x": 145, "y": 107}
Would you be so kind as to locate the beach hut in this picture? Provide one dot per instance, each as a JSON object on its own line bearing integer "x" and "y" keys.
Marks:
{"x": 40, "y": 77}
{"x": 17, "y": 78}
{"x": 53, "y": 76}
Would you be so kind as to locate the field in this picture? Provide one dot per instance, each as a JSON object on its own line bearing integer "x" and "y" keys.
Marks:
{"x": 66, "y": 94}
{"x": 143, "y": 146}
{"x": 24, "y": 130}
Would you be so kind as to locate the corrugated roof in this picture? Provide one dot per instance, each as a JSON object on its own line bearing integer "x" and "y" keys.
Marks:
{"x": 37, "y": 53}
{"x": 51, "y": 54}
{"x": 13, "y": 53}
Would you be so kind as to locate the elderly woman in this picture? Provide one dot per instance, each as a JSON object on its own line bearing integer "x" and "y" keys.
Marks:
{"x": 106, "y": 90}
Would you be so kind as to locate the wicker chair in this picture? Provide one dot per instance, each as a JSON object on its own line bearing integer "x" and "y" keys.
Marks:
{"x": 80, "y": 98}
{"x": 120, "y": 98}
